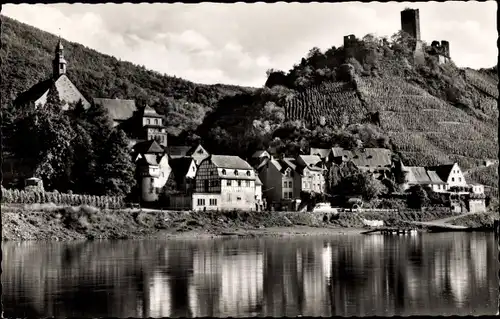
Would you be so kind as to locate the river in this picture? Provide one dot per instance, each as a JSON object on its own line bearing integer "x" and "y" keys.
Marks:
{"x": 362, "y": 275}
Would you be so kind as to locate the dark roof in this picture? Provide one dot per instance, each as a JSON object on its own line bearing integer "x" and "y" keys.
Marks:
{"x": 178, "y": 150}
{"x": 180, "y": 166}
{"x": 229, "y": 161}
{"x": 148, "y": 147}
{"x": 119, "y": 110}
{"x": 35, "y": 92}
{"x": 434, "y": 177}
{"x": 371, "y": 157}
{"x": 443, "y": 171}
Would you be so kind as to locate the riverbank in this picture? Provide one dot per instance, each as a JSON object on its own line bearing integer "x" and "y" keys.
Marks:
{"x": 51, "y": 222}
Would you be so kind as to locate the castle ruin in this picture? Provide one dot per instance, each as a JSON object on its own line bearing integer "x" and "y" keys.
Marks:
{"x": 410, "y": 24}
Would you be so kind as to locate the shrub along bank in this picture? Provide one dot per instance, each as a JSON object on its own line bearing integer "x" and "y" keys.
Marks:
{"x": 51, "y": 222}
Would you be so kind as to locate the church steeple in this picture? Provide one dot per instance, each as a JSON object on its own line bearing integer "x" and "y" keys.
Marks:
{"x": 59, "y": 63}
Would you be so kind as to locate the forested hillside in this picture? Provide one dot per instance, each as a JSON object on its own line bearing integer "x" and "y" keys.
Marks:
{"x": 26, "y": 58}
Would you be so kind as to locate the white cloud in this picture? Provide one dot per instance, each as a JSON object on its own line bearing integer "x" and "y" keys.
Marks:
{"x": 237, "y": 43}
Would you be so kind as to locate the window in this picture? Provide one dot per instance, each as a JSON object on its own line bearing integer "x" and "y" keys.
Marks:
{"x": 248, "y": 173}
{"x": 285, "y": 184}
{"x": 290, "y": 195}
{"x": 213, "y": 201}
{"x": 229, "y": 197}
{"x": 238, "y": 198}
{"x": 290, "y": 184}
{"x": 213, "y": 183}
{"x": 247, "y": 183}
{"x": 148, "y": 121}
{"x": 460, "y": 179}
{"x": 223, "y": 172}
{"x": 453, "y": 179}
{"x": 156, "y": 121}
{"x": 285, "y": 195}
{"x": 201, "y": 202}
{"x": 239, "y": 183}
{"x": 228, "y": 183}
{"x": 236, "y": 172}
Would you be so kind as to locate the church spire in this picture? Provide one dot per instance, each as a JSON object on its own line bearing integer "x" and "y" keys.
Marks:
{"x": 59, "y": 63}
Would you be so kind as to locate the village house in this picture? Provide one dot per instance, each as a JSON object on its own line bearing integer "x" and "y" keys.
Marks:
{"x": 448, "y": 179}
{"x": 152, "y": 169}
{"x": 140, "y": 124}
{"x": 183, "y": 173}
{"x": 198, "y": 153}
{"x": 421, "y": 176}
{"x": 377, "y": 161}
{"x": 224, "y": 182}
{"x": 284, "y": 179}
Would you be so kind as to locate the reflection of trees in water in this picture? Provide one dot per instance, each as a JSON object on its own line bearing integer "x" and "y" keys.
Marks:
{"x": 441, "y": 273}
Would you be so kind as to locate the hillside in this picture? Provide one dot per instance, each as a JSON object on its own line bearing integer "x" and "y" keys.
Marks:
{"x": 431, "y": 113}
{"x": 26, "y": 58}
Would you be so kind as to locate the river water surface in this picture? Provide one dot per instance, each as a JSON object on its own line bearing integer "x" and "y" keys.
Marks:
{"x": 344, "y": 275}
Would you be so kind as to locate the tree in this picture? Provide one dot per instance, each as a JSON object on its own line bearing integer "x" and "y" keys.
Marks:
{"x": 362, "y": 184}
{"x": 417, "y": 197}
{"x": 115, "y": 173}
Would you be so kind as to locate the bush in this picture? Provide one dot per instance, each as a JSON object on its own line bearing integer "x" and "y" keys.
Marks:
{"x": 36, "y": 197}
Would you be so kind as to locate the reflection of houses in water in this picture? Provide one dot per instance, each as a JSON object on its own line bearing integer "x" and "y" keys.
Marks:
{"x": 479, "y": 257}
{"x": 316, "y": 270}
{"x": 204, "y": 292}
{"x": 326, "y": 256}
{"x": 459, "y": 271}
{"x": 242, "y": 284}
{"x": 439, "y": 273}
{"x": 159, "y": 303}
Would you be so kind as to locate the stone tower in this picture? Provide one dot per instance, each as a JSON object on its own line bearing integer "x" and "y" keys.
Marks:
{"x": 59, "y": 63}
{"x": 410, "y": 22}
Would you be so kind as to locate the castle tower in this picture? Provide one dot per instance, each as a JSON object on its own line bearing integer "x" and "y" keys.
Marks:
{"x": 59, "y": 63}
{"x": 445, "y": 45}
{"x": 410, "y": 22}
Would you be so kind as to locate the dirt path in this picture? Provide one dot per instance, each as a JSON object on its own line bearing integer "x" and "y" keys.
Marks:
{"x": 444, "y": 222}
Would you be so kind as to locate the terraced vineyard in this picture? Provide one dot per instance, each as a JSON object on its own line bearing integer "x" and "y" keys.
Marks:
{"x": 427, "y": 130}
{"x": 337, "y": 102}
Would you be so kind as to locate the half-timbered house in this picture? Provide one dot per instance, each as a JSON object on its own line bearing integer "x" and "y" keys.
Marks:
{"x": 224, "y": 182}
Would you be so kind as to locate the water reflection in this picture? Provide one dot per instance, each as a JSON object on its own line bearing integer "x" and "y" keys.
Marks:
{"x": 452, "y": 273}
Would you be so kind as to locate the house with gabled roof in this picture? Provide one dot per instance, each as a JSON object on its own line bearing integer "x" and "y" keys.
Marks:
{"x": 284, "y": 179}
{"x": 373, "y": 160}
{"x": 141, "y": 124}
{"x": 421, "y": 176}
{"x": 183, "y": 173}
{"x": 152, "y": 169}
{"x": 224, "y": 182}
{"x": 67, "y": 91}
{"x": 197, "y": 152}
{"x": 451, "y": 174}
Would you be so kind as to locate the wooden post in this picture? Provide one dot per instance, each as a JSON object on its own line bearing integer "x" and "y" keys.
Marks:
{"x": 496, "y": 227}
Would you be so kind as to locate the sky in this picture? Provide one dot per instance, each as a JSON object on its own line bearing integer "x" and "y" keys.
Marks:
{"x": 237, "y": 43}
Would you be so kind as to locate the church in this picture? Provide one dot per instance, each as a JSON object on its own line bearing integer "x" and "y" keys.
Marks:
{"x": 68, "y": 92}
{"x": 144, "y": 127}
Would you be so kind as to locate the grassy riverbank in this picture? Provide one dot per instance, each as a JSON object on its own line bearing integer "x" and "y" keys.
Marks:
{"x": 50, "y": 222}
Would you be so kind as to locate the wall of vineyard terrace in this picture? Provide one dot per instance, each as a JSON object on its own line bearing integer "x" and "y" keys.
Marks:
{"x": 15, "y": 196}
